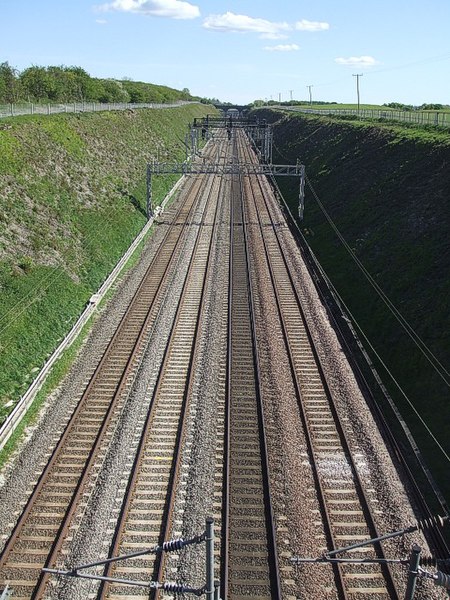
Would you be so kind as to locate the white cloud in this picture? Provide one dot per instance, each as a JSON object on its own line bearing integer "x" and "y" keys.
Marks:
{"x": 230, "y": 22}
{"x": 357, "y": 61}
{"x": 174, "y": 9}
{"x": 305, "y": 25}
{"x": 101, "y": 21}
{"x": 273, "y": 36}
{"x": 282, "y": 48}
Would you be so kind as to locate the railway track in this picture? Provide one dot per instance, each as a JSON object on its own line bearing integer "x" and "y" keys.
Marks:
{"x": 147, "y": 516}
{"x": 249, "y": 562}
{"x": 346, "y": 509}
{"x": 44, "y": 523}
{"x": 253, "y": 563}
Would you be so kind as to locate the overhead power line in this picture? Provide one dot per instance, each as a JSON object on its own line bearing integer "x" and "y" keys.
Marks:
{"x": 421, "y": 345}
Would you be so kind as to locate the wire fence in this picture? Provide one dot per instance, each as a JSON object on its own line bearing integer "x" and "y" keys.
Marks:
{"x": 422, "y": 117}
{"x": 30, "y": 108}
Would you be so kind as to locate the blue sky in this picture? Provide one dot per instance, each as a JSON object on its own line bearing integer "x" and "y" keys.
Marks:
{"x": 242, "y": 50}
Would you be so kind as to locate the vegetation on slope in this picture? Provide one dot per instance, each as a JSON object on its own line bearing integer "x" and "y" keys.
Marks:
{"x": 74, "y": 84}
{"x": 72, "y": 198}
{"x": 386, "y": 187}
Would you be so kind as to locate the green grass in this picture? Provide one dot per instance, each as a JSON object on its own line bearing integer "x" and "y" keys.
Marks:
{"x": 56, "y": 375}
{"x": 64, "y": 363}
{"x": 60, "y": 134}
{"x": 398, "y": 132}
{"x": 338, "y": 106}
{"x": 419, "y": 118}
{"x": 11, "y": 160}
{"x": 354, "y": 106}
{"x": 72, "y": 198}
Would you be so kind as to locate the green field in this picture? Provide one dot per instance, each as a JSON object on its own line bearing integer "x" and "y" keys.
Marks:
{"x": 439, "y": 118}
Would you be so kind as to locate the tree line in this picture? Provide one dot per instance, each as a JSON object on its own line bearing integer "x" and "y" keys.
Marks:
{"x": 73, "y": 84}
{"x": 406, "y": 107}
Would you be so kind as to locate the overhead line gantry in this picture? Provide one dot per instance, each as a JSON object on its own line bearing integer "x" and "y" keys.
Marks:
{"x": 260, "y": 134}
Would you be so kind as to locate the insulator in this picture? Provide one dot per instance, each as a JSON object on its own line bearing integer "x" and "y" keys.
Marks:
{"x": 431, "y": 522}
{"x": 173, "y": 545}
{"x": 443, "y": 580}
{"x": 179, "y": 588}
{"x": 173, "y": 587}
{"x": 427, "y": 561}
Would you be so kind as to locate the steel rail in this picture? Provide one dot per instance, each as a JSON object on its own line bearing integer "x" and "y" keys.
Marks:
{"x": 353, "y": 347}
{"x": 257, "y": 557}
{"x": 43, "y": 579}
{"x": 433, "y": 534}
{"x": 52, "y": 463}
{"x": 166, "y": 519}
{"x": 270, "y": 517}
{"x": 390, "y": 585}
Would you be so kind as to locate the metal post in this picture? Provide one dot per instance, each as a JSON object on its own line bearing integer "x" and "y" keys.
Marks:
{"x": 6, "y": 594}
{"x": 216, "y": 590}
{"x": 301, "y": 194}
{"x": 413, "y": 572}
{"x": 210, "y": 587}
{"x": 186, "y": 142}
{"x": 357, "y": 88}
{"x": 270, "y": 145}
{"x": 149, "y": 193}
{"x": 193, "y": 142}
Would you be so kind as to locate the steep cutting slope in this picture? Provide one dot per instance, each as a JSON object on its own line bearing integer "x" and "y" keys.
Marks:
{"x": 387, "y": 188}
{"x": 72, "y": 198}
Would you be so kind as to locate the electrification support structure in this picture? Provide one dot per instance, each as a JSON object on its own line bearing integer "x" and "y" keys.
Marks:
{"x": 259, "y": 133}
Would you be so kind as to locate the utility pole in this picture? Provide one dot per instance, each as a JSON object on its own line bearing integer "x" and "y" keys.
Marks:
{"x": 279, "y": 97}
{"x": 357, "y": 87}
{"x": 310, "y": 94}
{"x": 291, "y": 92}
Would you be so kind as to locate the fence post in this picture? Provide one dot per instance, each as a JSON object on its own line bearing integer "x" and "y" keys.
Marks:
{"x": 12, "y": 109}
{"x": 210, "y": 587}
{"x": 149, "y": 193}
{"x": 413, "y": 572}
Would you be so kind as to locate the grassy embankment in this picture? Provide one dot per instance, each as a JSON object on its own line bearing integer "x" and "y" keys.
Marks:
{"x": 376, "y": 112}
{"x": 387, "y": 189}
{"x": 72, "y": 198}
